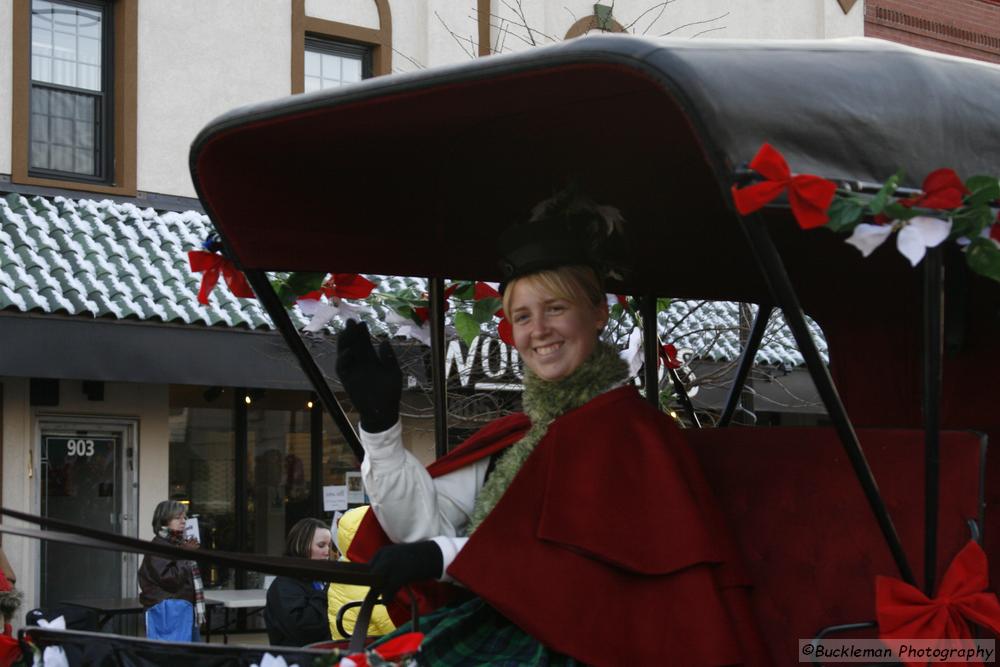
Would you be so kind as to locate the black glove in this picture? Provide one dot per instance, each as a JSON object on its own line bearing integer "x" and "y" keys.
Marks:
{"x": 401, "y": 564}
{"x": 374, "y": 382}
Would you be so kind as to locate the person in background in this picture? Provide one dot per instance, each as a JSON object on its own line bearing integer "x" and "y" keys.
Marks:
{"x": 10, "y": 602}
{"x": 10, "y": 597}
{"x": 171, "y": 589}
{"x": 340, "y": 594}
{"x": 295, "y": 614}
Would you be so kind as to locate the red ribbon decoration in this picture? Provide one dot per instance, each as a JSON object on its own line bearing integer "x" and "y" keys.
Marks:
{"x": 809, "y": 196}
{"x": 668, "y": 355}
{"x": 505, "y": 329}
{"x": 210, "y": 265}
{"x": 942, "y": 189}
{"x": 904, "y": 612}
{"x": 400, "y": 646}
{"x": 483, "y": 291}
{"x": 348, "y": 286}
{"x": 424, "y": 312}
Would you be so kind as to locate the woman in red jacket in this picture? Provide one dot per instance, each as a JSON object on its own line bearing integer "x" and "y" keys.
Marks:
{"x": 594, "y": 537}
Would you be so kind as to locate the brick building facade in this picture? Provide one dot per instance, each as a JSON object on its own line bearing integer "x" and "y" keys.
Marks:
{"x": 969, "y": 28}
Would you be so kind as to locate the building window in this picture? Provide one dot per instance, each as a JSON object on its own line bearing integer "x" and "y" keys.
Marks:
{"x": 70, "y": 90}
{"x": 330, "y": 64}
{"x": 328, "y": 53}
{"x": 74, "y": 94}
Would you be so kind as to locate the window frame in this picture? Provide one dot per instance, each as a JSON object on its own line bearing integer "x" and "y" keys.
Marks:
{"x": 119, "y": 80}
{"x": 335, "y": 47}
{"x": 104, "y": 141}
{"x": 378, "y": 42}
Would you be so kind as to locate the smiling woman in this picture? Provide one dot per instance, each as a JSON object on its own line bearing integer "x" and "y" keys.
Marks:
{"x": 511, "y": 513}
{"x": 556, "y": 319}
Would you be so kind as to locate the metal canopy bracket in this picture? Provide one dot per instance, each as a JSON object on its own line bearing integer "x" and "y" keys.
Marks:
{"x": 650, "y": 353}
{"x": 746, "y": 362}
{"x": 272, "y": 304}
{"x": 436, "y": 296}
{"x": 932, "y": 371}
{"x": 651, "y": 356}
{"x": 773, "y": 271}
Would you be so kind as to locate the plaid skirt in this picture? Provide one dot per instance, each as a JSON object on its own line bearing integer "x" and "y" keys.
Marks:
{"x": 474, "y": 633}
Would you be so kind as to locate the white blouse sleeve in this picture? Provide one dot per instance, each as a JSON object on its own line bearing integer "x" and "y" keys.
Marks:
{"x": 409, "y": 504}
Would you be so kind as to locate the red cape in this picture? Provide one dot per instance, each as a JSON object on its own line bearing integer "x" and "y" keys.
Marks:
{"x": 608, "y": 545}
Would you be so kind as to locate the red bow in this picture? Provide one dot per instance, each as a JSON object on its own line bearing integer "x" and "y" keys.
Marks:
{"x": 504, "y": 328}
{"x": 211, "y": 265}
{"x": 904, "y": 612}
{"x": 482, "y": 290}
{"x": 343, "y": 286}
{"x": 942, "y": 189}
{"x": 809, "y": 196}
{"x": 348, "y": 286}
{"x": 668, "y": 355}
{"x": 401, "y": 646}
{"x": 392, "y": 650}
{"x": 422, "y": 313}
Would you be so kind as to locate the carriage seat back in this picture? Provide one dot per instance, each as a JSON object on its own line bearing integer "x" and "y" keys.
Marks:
{"x": 805, "y": 530}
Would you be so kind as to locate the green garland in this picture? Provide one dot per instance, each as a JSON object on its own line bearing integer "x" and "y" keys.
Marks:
{"x": 543, "y": 402}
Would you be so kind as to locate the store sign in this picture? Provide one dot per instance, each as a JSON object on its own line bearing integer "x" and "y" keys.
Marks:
{"x": 488, "y": 364}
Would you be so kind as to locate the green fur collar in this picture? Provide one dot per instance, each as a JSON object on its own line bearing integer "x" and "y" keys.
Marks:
{"x": 544, "y": 401}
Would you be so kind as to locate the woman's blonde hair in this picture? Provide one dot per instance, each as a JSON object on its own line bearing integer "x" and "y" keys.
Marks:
{"x": 576, "y": 283}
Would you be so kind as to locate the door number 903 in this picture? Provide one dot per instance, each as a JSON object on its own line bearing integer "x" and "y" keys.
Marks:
{"x": 80, "y": 447}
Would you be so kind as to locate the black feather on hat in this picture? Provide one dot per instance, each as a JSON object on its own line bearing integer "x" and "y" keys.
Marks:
{"x": 568, "y": 229}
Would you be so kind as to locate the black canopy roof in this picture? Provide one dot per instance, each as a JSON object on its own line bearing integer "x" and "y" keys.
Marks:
{"x": 416, "y": 174}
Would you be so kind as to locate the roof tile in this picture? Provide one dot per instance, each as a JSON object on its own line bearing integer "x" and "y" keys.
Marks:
{"x": 88, "y": 257}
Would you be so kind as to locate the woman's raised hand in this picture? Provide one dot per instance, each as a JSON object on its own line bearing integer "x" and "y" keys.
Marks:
{"x": 373, "y": 381}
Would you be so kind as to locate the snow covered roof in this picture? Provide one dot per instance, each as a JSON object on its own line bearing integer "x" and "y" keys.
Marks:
{"x": 118, "y": 261}
{"x": 711, "y": 330}
{"x": 107, "y": 259}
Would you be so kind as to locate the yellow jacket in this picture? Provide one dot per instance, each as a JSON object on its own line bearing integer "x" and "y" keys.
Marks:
{"x": 340, "y": 594}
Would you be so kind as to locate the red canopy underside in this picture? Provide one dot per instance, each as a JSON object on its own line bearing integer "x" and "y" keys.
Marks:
{"x": 427, "y": 194}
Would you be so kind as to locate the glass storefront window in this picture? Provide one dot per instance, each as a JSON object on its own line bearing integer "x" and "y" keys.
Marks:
{"x": 279, "y": 492}
{"x": 338, "y": 459}
{"x": 210, "y": 450}
{"x": 203, "y": 466}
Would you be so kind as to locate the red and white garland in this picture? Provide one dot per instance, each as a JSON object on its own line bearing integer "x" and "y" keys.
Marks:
{"x": 946, "y": 208}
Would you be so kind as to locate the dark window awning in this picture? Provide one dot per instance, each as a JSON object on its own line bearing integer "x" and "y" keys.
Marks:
{"x": 124, "y": 351}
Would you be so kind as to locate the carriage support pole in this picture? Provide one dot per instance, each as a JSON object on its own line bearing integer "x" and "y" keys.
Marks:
{"x": 435, "y": 294}
{"x": 650, "y": 353}
{"x": 272, "y": 304}
{"x": 933, "y": 339}
{"x": 651, "y": 356}
{"x": 780, "y": 286}
{"x": 760, "y": 321}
